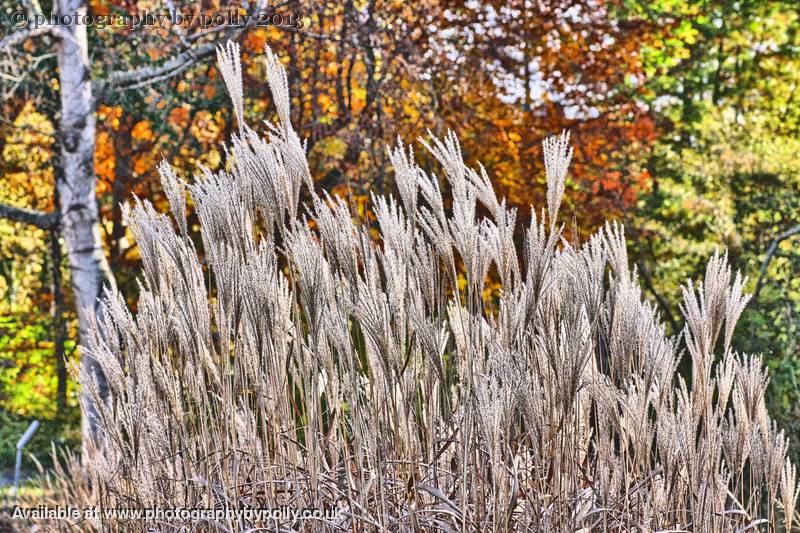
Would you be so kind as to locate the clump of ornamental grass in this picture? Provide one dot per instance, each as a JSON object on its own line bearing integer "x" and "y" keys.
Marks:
{"x": 313, "y": 360}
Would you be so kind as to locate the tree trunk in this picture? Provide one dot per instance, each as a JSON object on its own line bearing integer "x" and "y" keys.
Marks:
{"x": 77, "y": 192}
{"x": 58, "y": 326}
{"x": 120, "y": 187}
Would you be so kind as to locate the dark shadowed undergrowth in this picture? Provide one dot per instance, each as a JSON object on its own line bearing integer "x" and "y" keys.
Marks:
{"x": 311, "y": 360}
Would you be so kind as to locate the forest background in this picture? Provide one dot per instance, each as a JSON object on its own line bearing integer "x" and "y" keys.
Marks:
{"x": 685, "y": 116}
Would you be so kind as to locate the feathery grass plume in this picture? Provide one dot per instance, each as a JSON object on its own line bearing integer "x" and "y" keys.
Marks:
{"x": 405, "y": 171}
{"x": 315, "y": 361}
{"x": 283, "y": 136}
{"x": 230, "y": 66}
{"x": 557, "y": 156}
{"x": 790, "y": 490}
{"x": 174, "y": 188}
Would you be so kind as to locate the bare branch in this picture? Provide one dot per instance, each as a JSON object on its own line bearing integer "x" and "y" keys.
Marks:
{"x": 134, "y": 79}
{"x": 130, "y": 79}
{"x": 773, "y": 248}
{"x": 662, "y": 302}
{"x": 179, "y": 31}
{"x": 40, "y": 219}
{"x": 19, "y": 37}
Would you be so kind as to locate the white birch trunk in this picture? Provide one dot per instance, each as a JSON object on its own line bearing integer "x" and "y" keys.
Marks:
{"x": 77, "y": 189}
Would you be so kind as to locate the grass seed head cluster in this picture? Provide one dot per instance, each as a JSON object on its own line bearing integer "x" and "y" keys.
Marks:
{"x": 311, "y": 359}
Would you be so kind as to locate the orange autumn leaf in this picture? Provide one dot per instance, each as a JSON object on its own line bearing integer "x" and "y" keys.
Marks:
{"x": 142, "y": 131}
{"x": 179, "y": 117}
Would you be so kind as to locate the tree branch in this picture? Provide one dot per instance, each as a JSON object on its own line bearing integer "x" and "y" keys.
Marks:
{"x": 773, "y": 248}
{"x": 123, "y": 80}
{"x": 40, "y": 219}
{"x": 662, "y": 303}
{"x": 20, "y": 36}
{"x": 130, "y": 79}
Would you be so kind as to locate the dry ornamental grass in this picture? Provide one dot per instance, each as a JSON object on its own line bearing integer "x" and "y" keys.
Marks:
{"x": 368, "y": 367}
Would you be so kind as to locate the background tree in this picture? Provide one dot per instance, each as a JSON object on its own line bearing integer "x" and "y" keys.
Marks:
{"x": 559, "y": 65}
{"x": 723, "y": 84}
{"x": 82, "y": 83}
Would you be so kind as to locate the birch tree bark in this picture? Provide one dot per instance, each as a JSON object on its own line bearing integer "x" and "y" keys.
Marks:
{"x": 77, "y": 187}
